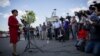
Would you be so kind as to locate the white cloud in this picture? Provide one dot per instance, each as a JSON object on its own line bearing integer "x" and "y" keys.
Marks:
{"x": 1, "y": 14}
{"x": 6, "y": 15}
{"x": 78, "y": 9}
{"x": 4, "y": 3}
{"x": 91, "y": 1}
{"x": 39, "y": 20}
{"x": 20, "y": 13}
{"x": 71, "y": 11}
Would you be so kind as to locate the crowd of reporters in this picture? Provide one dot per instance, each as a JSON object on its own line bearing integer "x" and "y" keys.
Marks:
{"x": 85, "y": 31}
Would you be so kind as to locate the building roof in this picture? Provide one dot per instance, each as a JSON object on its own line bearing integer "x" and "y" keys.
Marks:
{"x": 53, "y": 18}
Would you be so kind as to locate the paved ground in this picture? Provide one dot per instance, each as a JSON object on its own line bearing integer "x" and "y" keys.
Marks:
{"x": 49, "y": 48}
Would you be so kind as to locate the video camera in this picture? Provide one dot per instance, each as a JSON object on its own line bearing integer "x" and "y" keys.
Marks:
{"x": 24, "y": 22}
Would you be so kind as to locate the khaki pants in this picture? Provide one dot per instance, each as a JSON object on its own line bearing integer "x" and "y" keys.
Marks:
{"x": 40, "y": 34}
{"x": 44, "y": 35}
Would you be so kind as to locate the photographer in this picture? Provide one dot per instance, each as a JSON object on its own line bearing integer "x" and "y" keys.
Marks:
{"x": 94, "y": 41}
{"x": 79, "y": 15}
{"x": 68, "y": 17}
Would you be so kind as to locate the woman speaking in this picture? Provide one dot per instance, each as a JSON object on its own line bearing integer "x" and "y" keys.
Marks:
{"x": 13, "y": 29}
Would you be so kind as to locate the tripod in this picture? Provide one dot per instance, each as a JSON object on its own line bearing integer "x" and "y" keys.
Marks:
{"x": 29, "y": 44}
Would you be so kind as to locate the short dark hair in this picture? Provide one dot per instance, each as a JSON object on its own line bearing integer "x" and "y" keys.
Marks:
{"x": 14, "y": 10}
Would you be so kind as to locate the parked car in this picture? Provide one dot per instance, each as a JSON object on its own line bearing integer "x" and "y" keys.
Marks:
{"x": 4, "y": 35}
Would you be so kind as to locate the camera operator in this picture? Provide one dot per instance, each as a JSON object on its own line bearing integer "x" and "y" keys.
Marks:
{"x": 24, "y": 28}
{"x": 68, "y": 17}
{"x": 79, "y": 15}
{"x": 94, "y": 41}
{"x": 97, "y": 5}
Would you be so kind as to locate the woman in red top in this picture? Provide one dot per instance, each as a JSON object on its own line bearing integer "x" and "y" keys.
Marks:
{"x": 13, "y": 29}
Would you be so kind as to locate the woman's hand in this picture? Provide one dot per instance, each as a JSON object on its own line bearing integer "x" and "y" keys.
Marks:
{"x": 19, "y": 24}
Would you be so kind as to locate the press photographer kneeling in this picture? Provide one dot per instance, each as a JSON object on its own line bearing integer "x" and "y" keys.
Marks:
{"x": 93, "y": 45}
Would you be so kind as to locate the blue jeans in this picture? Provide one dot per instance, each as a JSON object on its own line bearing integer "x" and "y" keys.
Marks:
{"x": 93, "y": 47}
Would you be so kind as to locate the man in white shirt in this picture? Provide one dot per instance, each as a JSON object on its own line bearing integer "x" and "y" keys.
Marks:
{"x": 56, "y": 26}
{"x": 40, "y": 31}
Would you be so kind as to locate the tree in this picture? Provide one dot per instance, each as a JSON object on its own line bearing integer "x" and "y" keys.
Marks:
{"x": 29, "y": 17}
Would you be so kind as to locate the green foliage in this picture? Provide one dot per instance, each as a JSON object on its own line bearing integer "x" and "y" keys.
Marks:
{"x": 29, "y": 17}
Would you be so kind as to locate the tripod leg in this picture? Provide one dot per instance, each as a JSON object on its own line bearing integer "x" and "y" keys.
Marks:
{"x": 27, "y": 47}
{"x": 36, "y": 47}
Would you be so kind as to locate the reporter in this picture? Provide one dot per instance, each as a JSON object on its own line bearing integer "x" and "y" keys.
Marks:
{"x": 93, "y": 45}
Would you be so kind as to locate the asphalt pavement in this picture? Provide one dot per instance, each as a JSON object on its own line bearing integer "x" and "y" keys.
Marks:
{"x": 41, "y": 48}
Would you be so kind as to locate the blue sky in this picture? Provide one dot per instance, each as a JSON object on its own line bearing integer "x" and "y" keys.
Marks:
{"x": 42, "y": 9}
